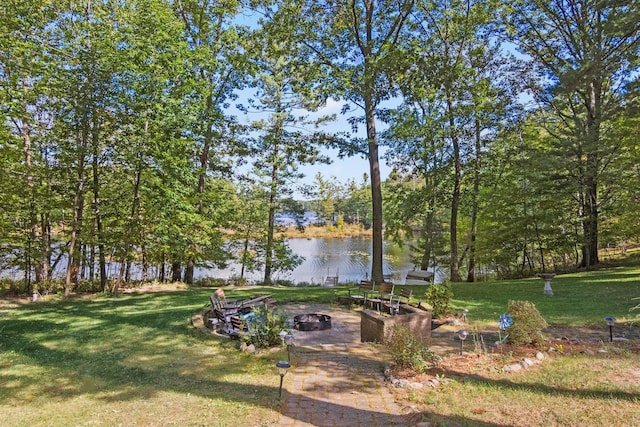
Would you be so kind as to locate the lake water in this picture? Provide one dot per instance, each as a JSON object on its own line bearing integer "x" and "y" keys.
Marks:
{"x": 348, "y": 258}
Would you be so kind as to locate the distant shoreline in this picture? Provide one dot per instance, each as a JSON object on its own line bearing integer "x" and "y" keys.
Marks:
{"x": 327, "y": 232}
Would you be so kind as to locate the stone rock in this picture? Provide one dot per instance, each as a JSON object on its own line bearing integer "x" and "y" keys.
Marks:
{"x": 423, "y": 424}
{"x": 403, "y": 383}
{"x": 416, "y": 386}
{"x": 434, "y": 382}
{"x": 526, "y": 362}
{"x": 540, "y": 355}
{"x": 516, "y": 367}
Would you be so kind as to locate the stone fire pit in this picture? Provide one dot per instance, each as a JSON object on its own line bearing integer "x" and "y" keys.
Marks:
{"x": 312, "y": 322}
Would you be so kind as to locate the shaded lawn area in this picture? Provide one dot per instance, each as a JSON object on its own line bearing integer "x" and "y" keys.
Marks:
{"x": 130, "y": 360}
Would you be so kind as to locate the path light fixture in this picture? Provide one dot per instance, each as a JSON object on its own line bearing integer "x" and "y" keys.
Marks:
{"x": 610, "y": 322}
{"x": 282, "y": 334}
{"x": 462, "y": 335}
{"x": 283, "y": 366}
{"x": 288, "y": 339}
{"x": 465, "y": 311}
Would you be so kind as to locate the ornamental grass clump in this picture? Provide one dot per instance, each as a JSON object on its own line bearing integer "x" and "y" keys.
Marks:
{"x": 408, "y": 352}
{"x": 526, "y": 323}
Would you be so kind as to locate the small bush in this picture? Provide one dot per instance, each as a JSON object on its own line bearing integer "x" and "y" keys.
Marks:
{"x": 408, "y": 352}
{"x": 439, "y": 297}
{"x": 527, "y": 323}
{"x": 266, "y": 327}
{"x": 88, "y": 287}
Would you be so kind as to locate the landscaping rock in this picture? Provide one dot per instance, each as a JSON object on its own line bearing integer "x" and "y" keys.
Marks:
{"x": 516, "y": 367}
{"x": 526, "y": 362}
{"x": 540, "y": 355}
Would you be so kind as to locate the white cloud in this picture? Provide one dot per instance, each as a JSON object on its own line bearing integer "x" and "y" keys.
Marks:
{"x": 332, "y": 106}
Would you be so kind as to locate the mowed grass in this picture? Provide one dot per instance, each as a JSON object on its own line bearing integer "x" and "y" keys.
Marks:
{"x": 136, "y": 360}
{"x": 130, "y": 360}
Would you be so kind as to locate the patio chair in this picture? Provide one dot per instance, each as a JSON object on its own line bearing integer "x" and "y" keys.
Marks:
{"x": 403, "y": 297}
{"x": 383, "y": 295}
{"x": 362, "y": 292}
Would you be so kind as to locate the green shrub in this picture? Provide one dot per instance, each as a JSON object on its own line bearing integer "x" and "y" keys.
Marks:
{"x": 527, "y": 323}
{"x": 266, "y": 327}
{"x": 439, "y": 297}
{"x": 88, "y": 286}
{"x": 408, "y": 352}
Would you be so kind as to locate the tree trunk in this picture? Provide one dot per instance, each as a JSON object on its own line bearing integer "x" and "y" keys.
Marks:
{"x": 34, "y": 232}
{"x": 133, "y": 215}
{"x": 78, "y": 208}
{"x": 590, "y": 208}
{"x": 268, "y": 263}
{"x": 471, "y": 274}
{"x": 455, "y": 194}
{"x": 96, "y": 210}
{"x": 188, "y": 271}
{"x": 176, "y": 271}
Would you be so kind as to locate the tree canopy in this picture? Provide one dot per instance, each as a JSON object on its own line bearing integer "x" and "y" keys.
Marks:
{"x": 125, "y": 141}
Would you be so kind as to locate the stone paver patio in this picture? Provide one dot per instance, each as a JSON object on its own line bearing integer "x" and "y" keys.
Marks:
{"x": 335, "y": 379}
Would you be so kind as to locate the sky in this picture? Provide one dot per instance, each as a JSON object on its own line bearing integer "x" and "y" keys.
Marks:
{"x": 345, "y": 169}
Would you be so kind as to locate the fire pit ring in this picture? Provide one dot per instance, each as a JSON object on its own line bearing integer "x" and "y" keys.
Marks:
{"x": 312, "y": 322}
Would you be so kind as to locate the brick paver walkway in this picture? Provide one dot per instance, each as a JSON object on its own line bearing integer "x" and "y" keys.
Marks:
{"x": 336, "y": 380}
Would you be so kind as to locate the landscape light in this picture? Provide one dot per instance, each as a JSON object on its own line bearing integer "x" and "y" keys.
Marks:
{"x": 610, "y": 322}
{"x": 288, "y": 339}
{"x": 283, "y": 367}
{"x": 462, "y": 335}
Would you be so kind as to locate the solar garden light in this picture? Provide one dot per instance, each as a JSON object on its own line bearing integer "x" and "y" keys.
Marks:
{"x": 462, "y": 335}
{"x": 282, "y": 334}
{"x": 283, "y": 366}
{"x": 288, "y": 339}
{"x": 610, "y": 322}
{"x": 464, "y": 314}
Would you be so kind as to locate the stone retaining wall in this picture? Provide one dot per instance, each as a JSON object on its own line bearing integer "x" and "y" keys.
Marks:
{"x": 375, "y": 327}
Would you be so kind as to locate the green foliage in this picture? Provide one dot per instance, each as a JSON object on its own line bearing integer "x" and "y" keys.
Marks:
{"x": 439, "y": 296}
{"x": 265, "y": 329}
{"x": 527, "y": 323}
{"x": 408, "y": 352}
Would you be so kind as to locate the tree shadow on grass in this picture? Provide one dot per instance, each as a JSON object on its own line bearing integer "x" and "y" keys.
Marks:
{"x": 74, "y": 343}
{"x": 132, "y": 348}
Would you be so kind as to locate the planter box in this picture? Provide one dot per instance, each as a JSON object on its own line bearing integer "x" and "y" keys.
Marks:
{"x": 375, "y": 327}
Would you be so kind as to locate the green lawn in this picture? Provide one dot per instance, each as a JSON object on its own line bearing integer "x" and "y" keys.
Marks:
{"x": 136, "y": 360}
{"x": 579, "y": 299}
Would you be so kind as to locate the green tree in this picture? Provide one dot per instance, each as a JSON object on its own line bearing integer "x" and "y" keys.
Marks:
{"x": 358, "y": 48}
{"x": 586, "y": 52}
{"x": 218, "y": 64}
{"x": 452, "y": 106}
{"x": 281, "y": 147}
{"x": 27, "y": 68}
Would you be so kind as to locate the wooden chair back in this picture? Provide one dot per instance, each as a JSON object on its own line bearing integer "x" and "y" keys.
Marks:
{"x": 386, "y": 288}
{"x": 406, "y": 293}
